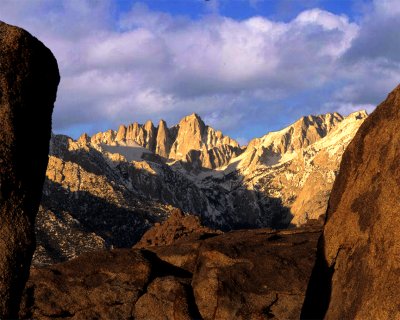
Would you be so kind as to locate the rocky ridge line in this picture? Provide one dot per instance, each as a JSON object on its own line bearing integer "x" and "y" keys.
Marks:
{"x": 190, "y": 141}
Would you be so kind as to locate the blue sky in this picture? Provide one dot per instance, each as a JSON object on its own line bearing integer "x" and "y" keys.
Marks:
{"x": 279, "y": 10}
{"x": 246, "y": 66}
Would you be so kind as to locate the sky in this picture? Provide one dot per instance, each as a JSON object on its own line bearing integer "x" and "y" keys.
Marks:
{"x": 246, "y": 67}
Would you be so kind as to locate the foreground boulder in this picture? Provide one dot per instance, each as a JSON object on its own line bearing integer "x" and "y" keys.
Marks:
{"x": 92, "y": 286}
{"x": 28, "y": 83}
{"x": 254, "y": 274}
{"x": 250, "y": 274}
{"x": 356, "y": 275}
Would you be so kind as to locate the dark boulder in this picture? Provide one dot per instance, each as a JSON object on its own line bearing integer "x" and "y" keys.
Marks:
{"x": 28, "y": 83}
{"x": 356, "y": 275}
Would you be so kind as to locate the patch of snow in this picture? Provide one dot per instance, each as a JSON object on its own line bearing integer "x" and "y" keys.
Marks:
{"x": 131, "y": 152}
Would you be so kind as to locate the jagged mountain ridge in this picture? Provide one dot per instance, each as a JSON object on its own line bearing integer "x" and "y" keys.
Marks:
{"x": 110, "y": 189}
{"x": 304, "y": 132}
{"x": 190, "y": 141}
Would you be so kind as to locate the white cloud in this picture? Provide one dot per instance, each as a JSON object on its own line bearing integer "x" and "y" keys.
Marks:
{"x": 387, "y": 7}
{"x": 154, "y": 65}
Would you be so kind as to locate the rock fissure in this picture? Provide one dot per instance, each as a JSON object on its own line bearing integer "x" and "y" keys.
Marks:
{"x": 267, "y": 310}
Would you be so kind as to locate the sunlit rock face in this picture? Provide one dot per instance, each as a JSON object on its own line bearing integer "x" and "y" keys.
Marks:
{"x": 113, "y": 186}
{"x": 198, "y": 143}
{"x": 163, "y": 140}
{"x": 321, "y": 163}
{"x": 357, "y": 270}
{"x": 88, "y": 203}
{"x": 190, "y": 141}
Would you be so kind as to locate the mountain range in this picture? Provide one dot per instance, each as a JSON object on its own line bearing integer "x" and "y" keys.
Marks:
{"x": 106, "y": 190}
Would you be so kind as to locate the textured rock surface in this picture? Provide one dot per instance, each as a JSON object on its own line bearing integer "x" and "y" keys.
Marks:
{"x": 28, "y": 83}
{"x": 176, "y": 227}
{"x": 201, "y": 145}
{"x": 88, "y": 205}
{"x": 321, "y": 164}
{"x": 357, "y": 272}
{"x": 94, "y": 286}
{"x": 270, "y": 148}
{"x": 254, "y": 274}
{"x": 237, "y": 275}
{"x": 166, "y": 298}
{"x": 163, "y": 141}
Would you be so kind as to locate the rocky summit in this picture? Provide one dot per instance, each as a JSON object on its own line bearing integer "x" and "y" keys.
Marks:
{"x": 106, "y": 190}
{"x": 190, "y": 141}
{"x": 357, "y": 270}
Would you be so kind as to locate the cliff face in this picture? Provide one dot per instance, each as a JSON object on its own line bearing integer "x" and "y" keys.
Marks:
{"x": 164, "y": 140}
{"x": 190, "y": 136}
{"x": 321, "y": 163}
{"x": 202, "y": 145}
{"x": 357, "y": 269}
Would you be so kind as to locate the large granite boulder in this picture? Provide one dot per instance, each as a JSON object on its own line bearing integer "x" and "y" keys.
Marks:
{"x": 166, "y": 298}
{"x": 356, "y": 275}
{"x": 253, "y": 274}
{"x": 93, "y": 286}
{"x": 28, "y": 83}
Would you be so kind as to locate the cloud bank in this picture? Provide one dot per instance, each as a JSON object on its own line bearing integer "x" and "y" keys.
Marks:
{"x": 244, "y": 77}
